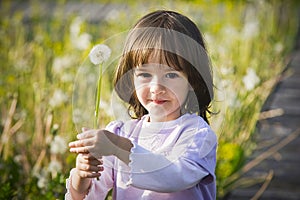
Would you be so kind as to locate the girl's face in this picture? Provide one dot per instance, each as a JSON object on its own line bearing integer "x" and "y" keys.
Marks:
{"x": 161, "y": 90}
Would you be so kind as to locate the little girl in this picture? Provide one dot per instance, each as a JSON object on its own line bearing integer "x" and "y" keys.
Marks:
{"x": 167, "y": 150}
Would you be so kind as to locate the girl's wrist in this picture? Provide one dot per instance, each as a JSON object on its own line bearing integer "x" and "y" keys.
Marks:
{"x": 79, "y": 184}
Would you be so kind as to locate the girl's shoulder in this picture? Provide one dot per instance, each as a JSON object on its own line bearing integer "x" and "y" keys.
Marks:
{"x": 194, "y": 121}
{"x": 119, "y": 127}
{"x": 199, "y": 126}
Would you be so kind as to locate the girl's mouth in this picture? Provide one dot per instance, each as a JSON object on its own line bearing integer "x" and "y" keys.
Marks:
{"x": 157, "y": 101}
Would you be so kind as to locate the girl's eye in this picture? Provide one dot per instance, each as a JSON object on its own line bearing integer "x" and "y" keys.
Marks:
{"x": 172, "y": 75}
{"x": 143, "y": 75}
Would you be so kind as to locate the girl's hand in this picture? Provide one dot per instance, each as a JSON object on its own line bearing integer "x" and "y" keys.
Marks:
{"x": 96, "y": 142}
{"x": 87, "y": 166}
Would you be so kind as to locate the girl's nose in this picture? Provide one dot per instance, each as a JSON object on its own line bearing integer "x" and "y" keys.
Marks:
{"x": 156, "y": 87}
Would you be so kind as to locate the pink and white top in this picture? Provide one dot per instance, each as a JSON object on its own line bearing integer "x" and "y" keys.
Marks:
{"x": 169, "y": 160}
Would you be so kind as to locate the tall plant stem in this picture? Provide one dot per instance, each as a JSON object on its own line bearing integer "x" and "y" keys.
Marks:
{"x": 98, "y": 97}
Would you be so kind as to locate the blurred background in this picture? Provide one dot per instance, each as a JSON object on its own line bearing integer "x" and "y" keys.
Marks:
{"x": 44, "y": 44}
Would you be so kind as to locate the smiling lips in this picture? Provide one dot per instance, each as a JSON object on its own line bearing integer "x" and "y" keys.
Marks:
{"x": 158, "y": 101}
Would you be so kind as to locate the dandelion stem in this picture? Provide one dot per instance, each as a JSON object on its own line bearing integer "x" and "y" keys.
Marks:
{"x": 98, "y": 97}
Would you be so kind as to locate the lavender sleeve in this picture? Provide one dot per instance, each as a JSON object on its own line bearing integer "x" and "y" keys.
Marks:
{"x": 189, "y": 162}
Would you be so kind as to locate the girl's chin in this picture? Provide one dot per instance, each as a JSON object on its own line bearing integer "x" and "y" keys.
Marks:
{"x": 162, "y": 118}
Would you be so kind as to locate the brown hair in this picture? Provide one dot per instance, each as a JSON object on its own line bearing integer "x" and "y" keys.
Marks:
{"x": 178, "y": 42}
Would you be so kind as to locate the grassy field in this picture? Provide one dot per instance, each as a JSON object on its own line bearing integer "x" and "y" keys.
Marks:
{"x": 47, "y": 83}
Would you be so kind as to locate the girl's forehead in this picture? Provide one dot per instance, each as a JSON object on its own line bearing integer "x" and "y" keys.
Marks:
{"x": 155, "y": 66}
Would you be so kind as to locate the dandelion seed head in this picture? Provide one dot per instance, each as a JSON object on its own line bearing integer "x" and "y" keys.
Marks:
{"x": 82, "y": 41}
{"x": 250, "y": 80}
{"x": 18, "y": 158}
{"x": 58, "y": 145}
{"x": 75, "y": 26}
{"x": 58, "y": 98}
{"x": 54, "y": 167}
{"x": 99, "y": 54}
{"x": 42, "y": 182}
{"x": 55, "y": 126}
{"x": 250, "y": 30}
{"x": 61, "y": 63}
{"x": 42, "y": 178}
{"x": 278, "y": 47}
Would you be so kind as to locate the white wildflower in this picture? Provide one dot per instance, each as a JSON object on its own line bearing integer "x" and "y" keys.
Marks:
{"x": 76, "y": 26}
{"x": 42, "y": 182}
{"x": 225, "y": 70}
{"x": 79, "y": 40}
{"x": 58, "y": 98}
{"x": 112, "y": 15}
{"x": 250, "y": 80}
{"x": 250, "y": 30}
{"x": 67, "y": 77}
{"x": 226, "y": 83}
{"x": 251, "y": 26}
{"x": 18, "y": 158}
{"x": 55, "y": 126}
{"x": 22, "y": 65}
{"x": 58, "y": 145}
{"x": 54, "y": 167}
{"x": 42, "y": 178}
{"x": 82, "y": 41}
{"x": 230, "y": 31}
{"x": 278, "y": 47}
{"x": 99, "y": 54}
{"x": 232, "y": 99}
{"x": 61, "y": 63}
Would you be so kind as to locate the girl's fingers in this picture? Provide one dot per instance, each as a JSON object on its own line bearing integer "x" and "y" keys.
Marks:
{"x": 94, "y": 162}
{"x": 86, "y": 159}
{"x": 90, "y": 168}
{"x": 79, "y": 150}
{"x": 85, "y": 174}
{"x": 82, "y": 143}
{"x": 91, "y": 161}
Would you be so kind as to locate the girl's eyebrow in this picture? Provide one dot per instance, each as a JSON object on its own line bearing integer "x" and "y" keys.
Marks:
{"x": 166, "y": 69}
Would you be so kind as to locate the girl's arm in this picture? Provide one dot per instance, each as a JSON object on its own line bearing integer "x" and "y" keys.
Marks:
{"x": 87, "y": 167}
{"x": 79, "y": 186}
{"x": 190, "y": 161}
{"x": 90, "y": 188}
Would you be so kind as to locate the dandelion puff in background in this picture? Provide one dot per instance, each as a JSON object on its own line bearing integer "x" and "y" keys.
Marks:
{"x": 250, "y": 80}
